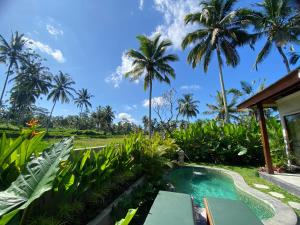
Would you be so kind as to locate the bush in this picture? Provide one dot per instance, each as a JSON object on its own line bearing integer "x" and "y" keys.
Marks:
{"x": 208, "y": 141}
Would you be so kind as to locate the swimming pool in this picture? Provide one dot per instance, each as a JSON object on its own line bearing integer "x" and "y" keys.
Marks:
{"x": 202, "y": 182}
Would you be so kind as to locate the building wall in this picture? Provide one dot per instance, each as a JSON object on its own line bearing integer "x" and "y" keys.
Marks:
{"x": 287, "y": 106}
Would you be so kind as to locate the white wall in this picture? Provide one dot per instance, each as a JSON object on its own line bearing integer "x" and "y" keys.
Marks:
{"x": 287, "y": 106}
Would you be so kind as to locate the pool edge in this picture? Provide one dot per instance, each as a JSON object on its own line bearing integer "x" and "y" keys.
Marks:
{"x": 283, "y": 214}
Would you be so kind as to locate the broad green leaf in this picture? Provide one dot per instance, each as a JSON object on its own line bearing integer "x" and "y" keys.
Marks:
{"x": 86, "y": 155}
{"x": 130, "y": 214}
{"x": 7, "y": 217}
{"x": 36, "y": 179}
{"x": 243, "y": 151}
{"x": 70, "y": 182}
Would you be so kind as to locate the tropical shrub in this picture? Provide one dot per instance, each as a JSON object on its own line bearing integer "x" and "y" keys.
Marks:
{"x": 277, "y": 144}
{"x": 211, "y": 142}
{"x": 15, "y": 153}
{"x": 36, "y": 179}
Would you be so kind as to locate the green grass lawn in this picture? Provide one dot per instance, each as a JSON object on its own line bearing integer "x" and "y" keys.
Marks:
{"x": 82, "y": 142}
{"x": 251, "y": 177}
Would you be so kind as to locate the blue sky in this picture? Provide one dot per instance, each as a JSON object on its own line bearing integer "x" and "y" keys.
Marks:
{"x": 87, "y": 39}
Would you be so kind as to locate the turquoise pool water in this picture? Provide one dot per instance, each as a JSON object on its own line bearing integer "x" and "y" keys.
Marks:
{"x": 201, "y": 183}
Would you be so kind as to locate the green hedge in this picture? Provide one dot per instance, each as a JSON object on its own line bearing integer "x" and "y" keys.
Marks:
{"x": 208, "y": 141}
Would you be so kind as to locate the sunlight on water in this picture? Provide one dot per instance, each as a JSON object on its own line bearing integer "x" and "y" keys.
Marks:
{"x": 201, "y": 183}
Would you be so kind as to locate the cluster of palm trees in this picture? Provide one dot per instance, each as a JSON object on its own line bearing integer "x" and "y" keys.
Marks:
{"x": 32, "y": 80}
{"x": 220, "y": 29}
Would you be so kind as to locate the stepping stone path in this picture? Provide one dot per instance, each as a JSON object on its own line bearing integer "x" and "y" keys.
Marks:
{"x": 295, "y": 205}
{"x": 261, "y": 186}
{"x": 276, "y": 194}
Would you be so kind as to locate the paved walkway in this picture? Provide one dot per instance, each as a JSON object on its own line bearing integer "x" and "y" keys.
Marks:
{"x": 289, "y": 178}
{"x": 287, "y": 181}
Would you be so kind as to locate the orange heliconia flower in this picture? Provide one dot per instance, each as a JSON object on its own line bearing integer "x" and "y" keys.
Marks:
{"x": 32, "y": 123}
{"x": 34, "y": 133}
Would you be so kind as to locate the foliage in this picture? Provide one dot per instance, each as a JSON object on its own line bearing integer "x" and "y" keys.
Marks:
{"x": 277, "y": 144}
{"x": 141, "y": 197}
{"x": 130, "y": 214}
{"x": 83, "y": 99}
{"x": 209, "y": 141}
{"x": 15, "y": 153}
{"x": 35, "y": 180}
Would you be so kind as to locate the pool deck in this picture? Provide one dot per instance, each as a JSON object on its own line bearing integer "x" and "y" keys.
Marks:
{"x": 284, "y": 215}
{"x": 288, "y": 181}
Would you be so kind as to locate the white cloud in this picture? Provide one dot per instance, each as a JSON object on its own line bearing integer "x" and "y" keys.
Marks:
{"x": 192, "y": 87}
{"x": 44, "y": 48}
{"x": 173, "y": 26}
{"x": 54, "y": 31}
{"x": 155, "y": 101}
{"x": 141, "y": 4}
{"x": 130, "y": 107}
{"x": 126, "y": 117}
{"x": 117, "y": 77}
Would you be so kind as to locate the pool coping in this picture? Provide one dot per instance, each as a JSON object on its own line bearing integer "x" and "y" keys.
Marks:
{"x": 283, "y": 214}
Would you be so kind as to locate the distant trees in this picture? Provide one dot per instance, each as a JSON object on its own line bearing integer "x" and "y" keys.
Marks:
{"x": 188, "y": 107}
{"x": 103, "y": 117}
{"x": 152, "y": 61}
{"x": 217, "y": 109}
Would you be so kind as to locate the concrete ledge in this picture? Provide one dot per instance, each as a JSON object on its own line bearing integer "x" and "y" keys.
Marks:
{"x": 104, "y": 218}
{"x": 293, "y": 189}
{"x": 283, "y": 214}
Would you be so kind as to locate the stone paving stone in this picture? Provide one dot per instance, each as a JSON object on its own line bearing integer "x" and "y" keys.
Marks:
{"x": 295, "y": 205}
{"x": 261, "y": 186}
{"x": 276, "y": 194}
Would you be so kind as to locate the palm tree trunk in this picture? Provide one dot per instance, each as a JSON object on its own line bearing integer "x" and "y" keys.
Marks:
{"x": 285, "y": 60}
{"x": 222, "y": 85}
{"x": 5, "y": 82}
{"x": 150, "y": 104}
{"x": 49, "y": 119}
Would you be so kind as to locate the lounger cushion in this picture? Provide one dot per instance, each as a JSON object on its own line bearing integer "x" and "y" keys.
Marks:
{"x": 170, "y": 208}
{"x": 230, "y": 212}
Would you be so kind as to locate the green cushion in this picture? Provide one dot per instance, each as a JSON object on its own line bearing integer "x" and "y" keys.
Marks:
{"x": 229, "y": 212}
{"x": 170, "y": 208}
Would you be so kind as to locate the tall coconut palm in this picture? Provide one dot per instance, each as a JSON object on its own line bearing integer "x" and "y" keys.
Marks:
{"x": 218, "y": 110}
{"x": 187, "y": 106}
{"x": 152, "y": 62}
{"x": 83, "y": 99}
{"x": 62, "y": 91}
{"x": 220, "y": 30}
{"x": 279, "y": 23}
{"x": 12, "y": 53}
{"x": 31, "y": 81}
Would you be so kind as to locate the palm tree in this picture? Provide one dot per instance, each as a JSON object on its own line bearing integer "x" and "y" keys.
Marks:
{"x": 62, "y": 91}
{"x": 151, "y": 61}
{"x": 218, "y": 108}
{"x": 83, "y": 99}
{"x": 31, "y": 81}
{"x": 221, "y": 30}
{"x": 12, "y": 53}
{"x": 188, "y": 107}
{"x": 109, "y": 116}
{"x": 279, "y": 23}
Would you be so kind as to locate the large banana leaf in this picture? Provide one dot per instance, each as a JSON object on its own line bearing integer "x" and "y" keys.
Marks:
{"x": 36, "y": 179}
